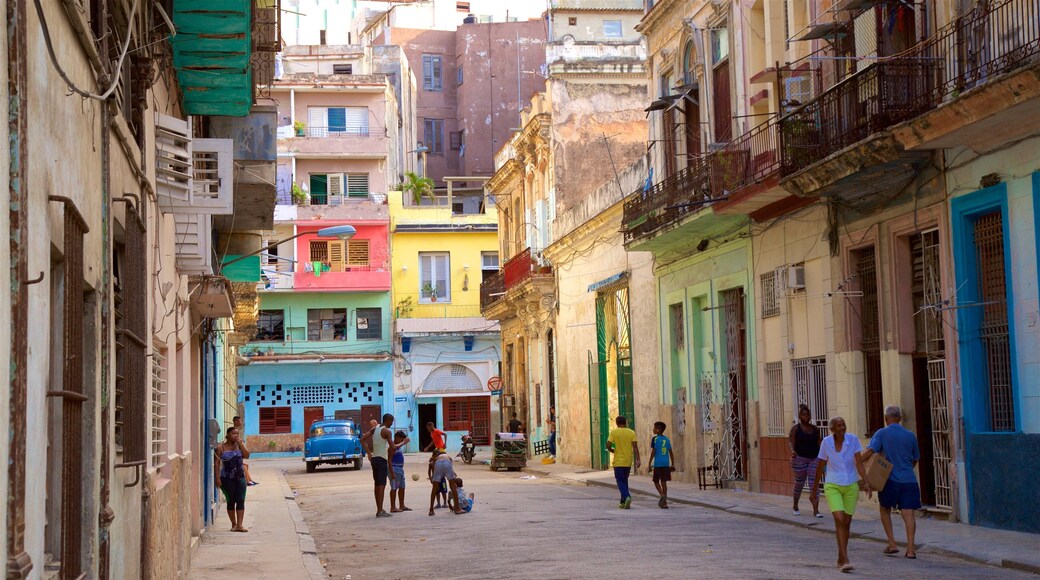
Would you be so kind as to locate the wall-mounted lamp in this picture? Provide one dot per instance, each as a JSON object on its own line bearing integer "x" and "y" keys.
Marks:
{"x": 404, "y": 268}
{"x": 466, "y": 267}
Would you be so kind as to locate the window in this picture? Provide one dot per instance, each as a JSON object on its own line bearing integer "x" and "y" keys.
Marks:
{"x": 458, "y": 76}
{"x": 434, "y": 135}
{"x": 719, "y": 44}
{"x": 432, "y": 73}
{"x": 488, "y": 265}
{"x": 677, "y": 322}
{"x": 770, "y": 304}
{"x": 572, "y": 21}
{"x": 462, "y": 6}
{"x": 357, "y": 253}
{"x": 357, "y": 185}
{"x": 810, "y": 387}
{"x": 460, "y": 413}
{"x": 275, "y": 420}
{"x": 159, "y": 367}
{"x": 612, "y": 28}
{"x": 327, "y": 324}
{"x": 456, "y": 140}
{"x": 321, "y": 37}
{"x": 343, "y": 69}
{"x": 337, "y": 121}
{"x": 775, "y": 388}
{"x": 319, "y": 189}
{"x": 434, "y": 277}
{"x": 270, "y": 326}
{"x": 370, "y": 323}
{"x": 329, "y": 253}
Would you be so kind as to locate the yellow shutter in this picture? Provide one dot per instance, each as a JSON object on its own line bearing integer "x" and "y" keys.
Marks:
{"x": 357, "y": 252}
{"x": 336, "y": 256}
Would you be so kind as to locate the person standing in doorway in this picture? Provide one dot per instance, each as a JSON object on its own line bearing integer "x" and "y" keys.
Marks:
{"x": 804, "y": 442}
{"x": 662, "y": 462}
{"x": 380, "y": 446}
{"x": 899, "y": 447}
{"x": 551, "y": 423}
{"x": 840, "y": 454}
{"x": 231, "y": 477}
{"x": 622, "y": 443}
{"x": 237, "y": 423}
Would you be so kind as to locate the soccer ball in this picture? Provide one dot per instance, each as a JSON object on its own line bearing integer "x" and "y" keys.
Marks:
{"x": 415, "y": 477}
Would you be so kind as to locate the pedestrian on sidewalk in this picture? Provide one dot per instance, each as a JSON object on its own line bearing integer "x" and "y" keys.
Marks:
{"x": 840, "y": 454}
{"x": 237, "y": 423}
{"x": 551, "y": 423}
{"x": 804, "y": 442}
{"x": 397, "y": 484}
{"x": 662, "y": 462}
{"x": 899, "y": 447}
{"x": 231, "y": 477}
{"x": 380, "y": 445}
{"x": 622, "y": 443}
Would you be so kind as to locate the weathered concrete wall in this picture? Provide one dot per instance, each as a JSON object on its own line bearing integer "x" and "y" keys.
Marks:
{"x": 598, "y": 128}
{"x": 169, "y": 519}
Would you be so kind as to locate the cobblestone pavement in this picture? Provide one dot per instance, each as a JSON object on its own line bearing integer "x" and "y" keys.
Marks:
{"x": 529, "y": 528}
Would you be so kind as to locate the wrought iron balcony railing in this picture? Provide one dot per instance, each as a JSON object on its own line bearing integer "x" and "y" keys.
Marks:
{"x": 989, "y": 40}
{"x": 492, "y": 290}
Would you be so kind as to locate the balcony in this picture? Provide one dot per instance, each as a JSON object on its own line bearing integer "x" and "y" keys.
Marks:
{"x": 523, "y": 279}
{"x": 350, "y": 279}
{"x": 438, "y": 310}
{"x": 871, "y": 132}
{"x": 334, "y": 142}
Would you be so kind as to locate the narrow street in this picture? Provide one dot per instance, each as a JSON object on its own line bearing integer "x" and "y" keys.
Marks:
{"x": 527, "y": 528}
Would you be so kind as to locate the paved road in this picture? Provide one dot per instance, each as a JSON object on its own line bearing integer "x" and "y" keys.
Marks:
{"x": 546, "y": 528}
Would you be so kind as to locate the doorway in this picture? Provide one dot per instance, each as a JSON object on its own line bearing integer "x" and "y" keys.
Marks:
{"x": 310, "y": 416}
{"x": 427, "y": 414}
{"x": 370, "y": 412}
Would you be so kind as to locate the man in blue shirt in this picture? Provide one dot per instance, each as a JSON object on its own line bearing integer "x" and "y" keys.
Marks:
{"x": 661, "y": 463}
{"x": 901, "y": 491}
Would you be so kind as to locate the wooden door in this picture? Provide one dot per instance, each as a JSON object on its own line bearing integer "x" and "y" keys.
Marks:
{"x": 310, "y": 415}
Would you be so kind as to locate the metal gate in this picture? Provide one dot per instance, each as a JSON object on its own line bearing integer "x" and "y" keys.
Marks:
{"x": 870, "y": 333}
{"x": 735, "y": 371}
{"x": 993, "y": 330}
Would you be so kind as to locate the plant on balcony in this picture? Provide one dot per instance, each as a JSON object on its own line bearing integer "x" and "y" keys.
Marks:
{"x": 299, "y": 126}
{"x": 419, "y": 187}
{"x": 299, "y": 197}
{"x": 430, "y": 291}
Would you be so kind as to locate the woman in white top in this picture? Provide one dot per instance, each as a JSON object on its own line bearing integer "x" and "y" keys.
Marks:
{"x": 840, "y": 455}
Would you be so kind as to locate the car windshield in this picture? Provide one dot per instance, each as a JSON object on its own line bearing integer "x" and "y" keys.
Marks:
{"x": 332, "y": 430}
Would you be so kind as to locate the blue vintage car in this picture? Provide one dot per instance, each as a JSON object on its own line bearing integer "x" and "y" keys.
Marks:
{"x": 334, "y": 441}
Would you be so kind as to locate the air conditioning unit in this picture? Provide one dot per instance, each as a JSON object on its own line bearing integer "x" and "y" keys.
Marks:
{"x": 796, "y": 277}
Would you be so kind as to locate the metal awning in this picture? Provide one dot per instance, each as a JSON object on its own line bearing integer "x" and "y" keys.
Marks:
{"x": 825, "y": 30}
{"x": 211, "y": 54}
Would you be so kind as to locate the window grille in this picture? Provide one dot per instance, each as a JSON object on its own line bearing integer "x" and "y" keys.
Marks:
{"x": 866, "y": 270}
{"x": 994, "y": 327}
{"x": 810, "y": 382}
{"x": 303, "y": 395}
{"x": 319, "y": 251}
{"x": 777, "y": 411}
{"x": 770, "y": 304}
{"x": 275, "y": 420}
{"x": 370, "y": 323}
{"x": 271, "y": 326}
{"x": 327, "y": 324}
{"x": 158, "y": 414}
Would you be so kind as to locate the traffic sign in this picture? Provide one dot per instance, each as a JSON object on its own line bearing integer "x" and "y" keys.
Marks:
{"x": 496, "y": 392}
{"x": 494, "y": 384}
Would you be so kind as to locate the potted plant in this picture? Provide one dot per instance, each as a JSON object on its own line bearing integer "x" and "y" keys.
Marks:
{"x": 299, "y": 197}
{"x": 430, "y": 291}
{"x": 419, "y": 187}
{"x": 299, "y": 126}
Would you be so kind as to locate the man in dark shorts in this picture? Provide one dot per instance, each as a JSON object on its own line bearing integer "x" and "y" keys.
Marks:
{"x": 662, "y": 463}
{"x": 380, "y": 446}
{"x": 901, "y": 491}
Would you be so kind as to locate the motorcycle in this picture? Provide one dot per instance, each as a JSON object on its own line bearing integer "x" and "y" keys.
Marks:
{"x": 468, "y": 448}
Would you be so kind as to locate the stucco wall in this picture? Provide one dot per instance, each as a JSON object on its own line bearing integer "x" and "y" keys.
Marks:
{"x": 169, "y": 519}
{"x": 295, "y": 306}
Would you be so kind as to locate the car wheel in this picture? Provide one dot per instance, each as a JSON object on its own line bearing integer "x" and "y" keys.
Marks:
{"x": 357, "y": 463}
{"x": 311, "y": 466}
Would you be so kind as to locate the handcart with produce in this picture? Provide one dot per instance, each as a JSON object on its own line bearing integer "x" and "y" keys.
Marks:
{"x": 509, "y": 451}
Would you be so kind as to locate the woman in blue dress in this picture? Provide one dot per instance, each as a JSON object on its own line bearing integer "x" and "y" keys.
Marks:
{"x": 231, "y": 477}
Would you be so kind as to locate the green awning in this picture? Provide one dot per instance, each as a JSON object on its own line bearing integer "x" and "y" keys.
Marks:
{"x": 211, "y": 54}
{"x": 244, "y": 270}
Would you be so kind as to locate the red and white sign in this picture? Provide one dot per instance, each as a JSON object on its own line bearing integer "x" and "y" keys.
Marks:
{"x": 494, "y": 384}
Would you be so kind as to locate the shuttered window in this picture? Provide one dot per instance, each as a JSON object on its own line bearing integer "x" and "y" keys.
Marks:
{"x": 433, "y": 135}
{"x": 369, "y": 323}
{"x": 432, "y": 72}
{"x": 337, "y": 121}
{"x": 330, "y": 253}
{"x": 357, "y": 252}
{"x": 275, "y": 420}
{"x": 357, "y": 185}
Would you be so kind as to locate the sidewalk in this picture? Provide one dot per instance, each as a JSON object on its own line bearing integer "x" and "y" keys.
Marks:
{"x": 278, "y": 544}
{"x": 1016, "y": 550}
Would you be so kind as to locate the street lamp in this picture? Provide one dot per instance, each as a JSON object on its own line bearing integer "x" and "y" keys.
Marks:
{"x": 421, "y": 150}
{"x": 341, "y": 232}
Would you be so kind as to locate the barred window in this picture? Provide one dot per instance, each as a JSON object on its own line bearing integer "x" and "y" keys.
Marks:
{"x": 810, "y": 387}
{"x": 159, "y": 367}
{"x": 370, "y": 323}
{"x": 770, "y": 305}
{"x": 775, "y": 388}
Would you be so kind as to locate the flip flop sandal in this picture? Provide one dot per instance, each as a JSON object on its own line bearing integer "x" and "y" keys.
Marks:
{"x": 910, "y": 556}
{"x": 890, "y": 551}
{"x": 847, "y": 568}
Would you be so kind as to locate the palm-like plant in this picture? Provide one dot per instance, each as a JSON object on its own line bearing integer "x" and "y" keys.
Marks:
{"x": 419, "y": 187}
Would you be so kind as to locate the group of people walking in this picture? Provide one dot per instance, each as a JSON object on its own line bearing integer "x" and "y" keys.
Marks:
{"x": 839, "y": 458}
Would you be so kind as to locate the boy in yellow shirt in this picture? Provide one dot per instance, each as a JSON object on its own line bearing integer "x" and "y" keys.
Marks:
{"x": 622, "y": 443}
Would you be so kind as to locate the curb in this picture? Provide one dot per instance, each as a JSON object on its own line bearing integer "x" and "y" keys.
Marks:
{"x": 927, "y": 548}
{"x": 308, "y": 550}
